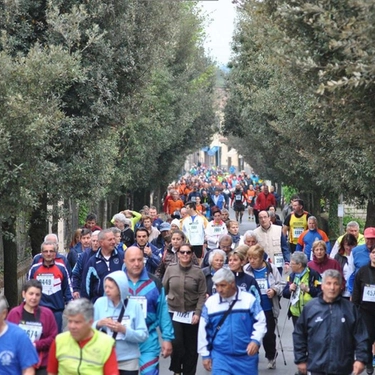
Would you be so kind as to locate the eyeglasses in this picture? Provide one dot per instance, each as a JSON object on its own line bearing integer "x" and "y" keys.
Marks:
{"x": 185, "y": 252}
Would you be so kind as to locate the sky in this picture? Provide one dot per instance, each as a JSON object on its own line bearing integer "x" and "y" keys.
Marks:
{"x": 220, "y": 30}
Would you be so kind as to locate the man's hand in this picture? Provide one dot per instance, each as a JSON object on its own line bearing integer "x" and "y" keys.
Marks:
{"x": 358, "y": 367}
{"x": 148, "y": 251}
{"x": 271, "y": 293}
{"x": 76, "y": 295}
{"x": 302, "y": 368}
{"x": 207, "y": 364}
{"x": 166, "y": 349}
{"x": 292, "y": 287}
{"x": 252, "y": 348}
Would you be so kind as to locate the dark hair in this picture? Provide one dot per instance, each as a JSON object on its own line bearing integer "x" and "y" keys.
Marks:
{"x": 348, "y": 239}
{"x": 85, "y": 232}
{"x": 179, "y": 232}
{"x": 191, "y": 204}
{"x": 185, "y": 244}
{"x": 300, "y": 202}
{"x": 33, "y": 283}
{"x": 141, "y": 229}
{"x": 91, "y": 217}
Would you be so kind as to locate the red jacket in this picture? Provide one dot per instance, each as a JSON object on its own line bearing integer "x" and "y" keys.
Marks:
{"x": 263, "y": 201}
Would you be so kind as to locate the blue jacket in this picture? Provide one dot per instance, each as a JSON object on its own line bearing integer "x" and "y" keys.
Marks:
{"x": 220, "y": 203}
{"x": 152, "y": 262}
{"x": 150, "y": 287}
{"x": 245, "y": 323}
{"x": 136, "y": 331}
{"x": 328, "y": 336}
{"x": 96, "y": 270}
{"x": 361, "y": 257}
{"x": 59, "y": 259}
{"x": 78, "y": 269}
{"x": 73, "y": 254}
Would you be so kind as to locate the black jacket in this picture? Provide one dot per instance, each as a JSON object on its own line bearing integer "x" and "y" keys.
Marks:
{"x": 328, "y": 336}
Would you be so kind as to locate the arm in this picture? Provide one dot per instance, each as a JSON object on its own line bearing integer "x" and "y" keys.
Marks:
{"x": 53, "y": 364}
{"x": 285, "y": 249}
{"x": 111, "y": 365}
{"x": 28, "y": 371}
{"x": 77, "y": 273}
{"x": 357, "y": 289}
{"x": 67, "y": 287}
{"x": 202, "y": 289}
{"x": 49, "y": 331}
{"x": 165, "y": 322}
{"x": 300, "y": 338}
{"x": 259, "y": 326}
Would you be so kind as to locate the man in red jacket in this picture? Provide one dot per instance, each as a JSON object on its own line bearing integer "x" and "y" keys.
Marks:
{"x": 264, "y": 200}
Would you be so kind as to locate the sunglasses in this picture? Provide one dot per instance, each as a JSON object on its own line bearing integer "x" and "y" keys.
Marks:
{"x": 185, "y": 252}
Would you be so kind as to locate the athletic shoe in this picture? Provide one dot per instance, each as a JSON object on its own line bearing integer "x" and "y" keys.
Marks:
{"x": 272, "y": 362}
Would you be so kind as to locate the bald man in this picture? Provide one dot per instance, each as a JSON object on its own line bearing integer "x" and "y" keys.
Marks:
{"x": 148, "y": 290}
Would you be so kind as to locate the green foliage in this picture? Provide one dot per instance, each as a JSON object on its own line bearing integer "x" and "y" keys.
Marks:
{"x": 360, "y": 221}
{"x": 288, "y": 192}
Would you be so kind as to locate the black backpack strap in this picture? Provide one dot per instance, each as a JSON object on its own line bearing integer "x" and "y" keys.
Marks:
{"x": 122, "y": 312}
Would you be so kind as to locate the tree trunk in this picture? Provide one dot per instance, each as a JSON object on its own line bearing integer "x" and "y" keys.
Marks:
{"x": 333, "y": 220}
{"x": 38, "y": 225}
{"x": 370, "y": 214}
{"x": 10, "y": 262}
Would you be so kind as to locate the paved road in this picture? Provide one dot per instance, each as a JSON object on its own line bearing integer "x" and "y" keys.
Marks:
{"x": 285, "y": 328}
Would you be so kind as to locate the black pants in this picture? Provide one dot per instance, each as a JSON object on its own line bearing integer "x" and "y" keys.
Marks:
{"x": 269, "y": 339}
{"x": 368, "y": 319}
{"x": 184, "y": 356}
{"x": 126, "y": 372}
{"x": 198, "y": 251}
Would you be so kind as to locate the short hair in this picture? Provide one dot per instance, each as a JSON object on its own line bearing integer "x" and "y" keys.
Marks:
{"x": 103, "y": 233}
{"x": 256, "y": 251}
{"x": 242, "y": 249}
{"x": 299, "y": 257}
{"x": 141, "y": 229}
{"x": 250, "y": 233}
{"x": 239, "y": 254}
{"x": 120, "y": 217}
{"x": 223, "y": 274}
{"x": 153, "y": 208}
{"x": 80, "y": 306}
{"x": 319, "y": 243}
{"x": 3, "y": 304}
{"x": 230, "y": 222}
{"x": 186, "y": 244}
{"x": 331, "y": 273}
{"x": 48, "y": 243}
{"x": 191, "y": 204}
{"x": 51, "y": 235}
{"x": 91, "y": 217}
{"x": 85, "y": 232}
{"x": 146, "y": 217}
{"x": 224, "y": 237}
{"x": 95, "y": 233}
{"x": 312, "y": 218}
{"x": 352, "y": 224}
{"x": 32, "y": 283}
{"x": 300, "y": 202}
{"x": 115, "y": 230}
{"x": 216, "y": 252}
{"x": 224, "y": 211}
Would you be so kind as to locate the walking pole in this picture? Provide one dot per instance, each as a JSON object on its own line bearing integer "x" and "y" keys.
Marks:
{"x": 281, "y": 344}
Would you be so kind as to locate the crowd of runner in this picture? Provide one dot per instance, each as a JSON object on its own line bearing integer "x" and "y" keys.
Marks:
{"x": 185, "y": 282}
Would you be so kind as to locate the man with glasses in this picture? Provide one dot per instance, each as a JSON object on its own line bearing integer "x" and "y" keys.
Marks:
{"x": 57, "y": 289}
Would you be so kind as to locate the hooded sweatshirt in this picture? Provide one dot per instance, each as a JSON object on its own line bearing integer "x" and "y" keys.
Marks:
{"x": 136, "y": 330}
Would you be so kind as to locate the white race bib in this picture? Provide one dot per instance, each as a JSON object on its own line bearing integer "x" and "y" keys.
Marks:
{"x": 368, "y": 293}
{"x": 181, "y": 317}
{"x": 297, "y": 232}
{"x": 33, "y": 329}
{"x": 194, "y": 228}
{"x": 278, "y": 260}
{"x": 143, "y": 302}
{"x": 295, "y": 296}
{"x": 263, "y": 285}
{"x": 47, "y": 281}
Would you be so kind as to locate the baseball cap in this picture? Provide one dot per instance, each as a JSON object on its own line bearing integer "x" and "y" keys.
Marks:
{"x": 164, "y": 227}
{"x": 369, "y": 232}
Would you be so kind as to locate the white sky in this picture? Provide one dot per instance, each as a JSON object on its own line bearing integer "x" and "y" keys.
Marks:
{"x": 220, "y": 30}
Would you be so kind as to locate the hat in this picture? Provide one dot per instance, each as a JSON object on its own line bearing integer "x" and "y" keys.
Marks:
{"x": 176, "y": 222}
{"x": 370, "y": 232}
{"x": 164, "y": 227}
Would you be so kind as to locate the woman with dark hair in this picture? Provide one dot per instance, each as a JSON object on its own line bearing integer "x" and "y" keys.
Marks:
{"x": 185, "y": 287}
{"x": 37, "y": 321}
{"x": 348, "y": 242}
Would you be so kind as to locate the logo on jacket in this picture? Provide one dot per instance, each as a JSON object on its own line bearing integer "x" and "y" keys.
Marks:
{"x": 318, "y": 319}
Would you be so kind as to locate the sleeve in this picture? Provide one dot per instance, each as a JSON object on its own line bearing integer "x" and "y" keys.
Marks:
{"x": 26, "y": 352}
{"x": 357, "y": 288}
{"x": 287, "y": 221}
{"x": 53, "y": 364}
{"x": 67, "y": 286}
{"x": 77, "y": 273}
{"x": 300, "y": 244}
{"x": 326, "y": 240}
{"x": 111, "y": 365}
{"x": 165, "y": 322}
{"x": 155, "y": 257}
{"x": 49, "y": 331}
{"x": 285, "y": 248}
{"x": 286, "y": 290}
{"x": 279, "y": 284}
{"x": 335, "y": 249}
{"x": 300, "y": 337}
{"x": 360, "y": 337}
{"x": 203, "y": 335}
{"x": 165, "y": 281}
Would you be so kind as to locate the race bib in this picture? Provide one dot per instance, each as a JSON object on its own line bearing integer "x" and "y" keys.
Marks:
{"x": 297, "y": 232}
{"x": 33, "y": 330}
{"x": 295, "y": 296}
{"x": 143, "y": 303}
{"x": 217, "y": 230}
{"x": 194, "y": 229}
{"x": 125, "y": 322}
{"x": 183, "y": 317}
{"x": 263, "y": 285}
{"x": 238, "y": 197}
{"x": 368, "y": 293}
{"x": 278, "y": 260}
{"x": 47, "y": 281}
